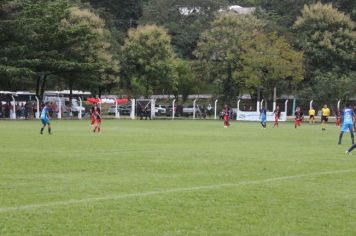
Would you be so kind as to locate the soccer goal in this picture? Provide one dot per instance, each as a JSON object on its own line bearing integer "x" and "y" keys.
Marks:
{"x": 145, "y": 108}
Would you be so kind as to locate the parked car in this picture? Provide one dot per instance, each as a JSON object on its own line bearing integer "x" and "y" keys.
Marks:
{"x": 111, "y": 110}
{"x": 126, "y": 111}
{"x": 169, "y": 111}
{"x": 160, "y": 110}
{"x": 189, "y": 110}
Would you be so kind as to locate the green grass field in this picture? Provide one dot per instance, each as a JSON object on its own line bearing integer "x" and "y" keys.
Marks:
{"x": 175, "y": 178}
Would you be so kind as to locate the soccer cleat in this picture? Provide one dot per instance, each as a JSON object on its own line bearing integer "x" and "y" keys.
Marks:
{"x": 347, "y": 152}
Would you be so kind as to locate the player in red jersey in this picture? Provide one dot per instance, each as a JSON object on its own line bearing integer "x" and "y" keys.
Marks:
{"x": 92, "y": 116}
{"x": 277, "y": 116}
{"x": 338, "y": 118}
{"x": 298, "y": 117}
{"x": 97, "y": 116}
{"x": 226, "y": 116}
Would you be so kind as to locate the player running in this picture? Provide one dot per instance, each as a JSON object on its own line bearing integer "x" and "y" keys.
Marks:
{"x": 311, "y": 115}
{"x": 325, "y": 113}
{"x": 97, "y": 115}
{"x": 298, "y": 117}
{"x": 348, "y": 151}
{"x": 263, "y": 117}
{"x": 45, "y": 118}
{"x": 226, "y": 116}
{"x": 347, "y": 123}
{"x": 277, "y": 116}
{"x": 92, "y": 115}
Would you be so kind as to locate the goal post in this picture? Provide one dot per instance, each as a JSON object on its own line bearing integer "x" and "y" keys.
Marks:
{"x": 144, "y": 104}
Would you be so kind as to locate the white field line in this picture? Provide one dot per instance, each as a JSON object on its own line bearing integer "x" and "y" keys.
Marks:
{"x": 167, "y": 191}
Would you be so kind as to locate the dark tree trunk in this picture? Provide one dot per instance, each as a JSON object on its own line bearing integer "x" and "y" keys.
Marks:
{"x": 70, "y": 92}
{"x": 38, "y": 80}
{"x": 43, "y": 85}
{"x": 9, "y": 84}
{"x": 228, "y": 86}
{"x": 99, "y": 92}
{"x": 259, "y": 94}
{"x": 147, "y": 88}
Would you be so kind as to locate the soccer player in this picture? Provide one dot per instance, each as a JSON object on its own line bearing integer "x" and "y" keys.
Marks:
{"x": 263, "y": 117}
{"x": 277, "y": 116}
{"x": 298, "y": 117}
{"x": 45, "y": 118}
{"x": 347, "y": 123}
{"x": 92, "y": 115}
{"x": 325, "y": 113}
{"x": 338, "y": 118}
{"x": 311, "y": 115}
{"x": 348, "y": 151}
{"x": 226, "y": 116}
{"x": 97, "y": 115}
{"x": 354, "y": 118}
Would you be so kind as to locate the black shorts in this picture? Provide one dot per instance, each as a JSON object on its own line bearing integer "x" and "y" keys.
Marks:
{"x": 311, "y": 117}
{"x": 324, "y": 118}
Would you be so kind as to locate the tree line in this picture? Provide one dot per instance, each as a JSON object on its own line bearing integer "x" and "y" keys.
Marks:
{"x": 179, "y": 47}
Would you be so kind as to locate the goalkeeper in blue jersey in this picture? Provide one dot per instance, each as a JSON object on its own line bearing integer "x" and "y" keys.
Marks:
{"x": 45, "y": 119}
{"x": 347, "y": 116}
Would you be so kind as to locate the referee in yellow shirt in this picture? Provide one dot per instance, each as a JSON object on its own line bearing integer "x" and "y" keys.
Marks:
{"x": 325, "y": 113}
{"x": 311, "y": 115}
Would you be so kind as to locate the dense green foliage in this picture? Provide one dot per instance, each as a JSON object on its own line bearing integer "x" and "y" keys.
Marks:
{"x": 269, "y": 61}
{"x": 185, "y": 20}
{"x": 175, "y": 178}
{"x": 148, "y": 60}
{"x": 328, "y": 39}
{"x": 220, "y": 49}
{"x": 238, "y": 55}
{"x": 83, "y": 44}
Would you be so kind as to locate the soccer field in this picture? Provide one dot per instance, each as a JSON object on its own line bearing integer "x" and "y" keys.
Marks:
{"x": 175, "y": 178}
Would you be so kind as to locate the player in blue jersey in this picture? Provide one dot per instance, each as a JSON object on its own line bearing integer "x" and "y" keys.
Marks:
{"x": 263, "y": 117}
{"x": 347, "y": 116}
{"x": 45, "y": 118}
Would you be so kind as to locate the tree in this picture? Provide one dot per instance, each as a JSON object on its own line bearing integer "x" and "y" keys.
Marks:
{"x": 287, "y": 11}
{"x": 220, "y": 49}
{"x": 185, "y": 20}
{"x": 88, "y": 41}
{"x": 60, "y": 40}
{"x": 186, "y": 83}
{"x": 148, "y": 59}
{"x": 125, "y": 13}
{"x": 10, "y": 74}
{"x": 268, "y": 60}
{"x": 328, "y": 39}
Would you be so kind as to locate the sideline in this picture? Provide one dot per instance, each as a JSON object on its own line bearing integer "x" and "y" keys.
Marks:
{"x": 160, "y": 192}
